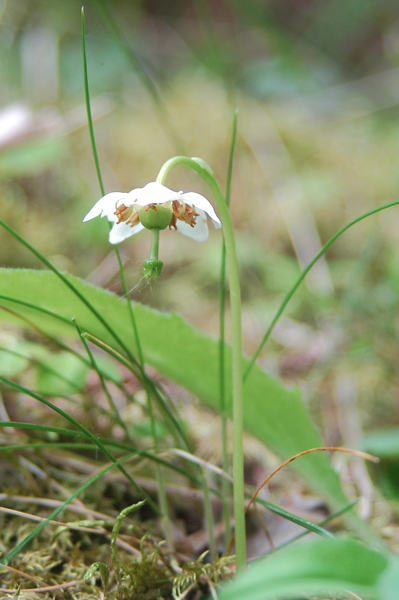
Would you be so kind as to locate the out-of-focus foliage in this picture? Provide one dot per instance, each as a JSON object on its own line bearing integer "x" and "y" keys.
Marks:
{"x": 319, "y": 567}
{"x": 315, "y": 85}
{"x": 273, "y": 414}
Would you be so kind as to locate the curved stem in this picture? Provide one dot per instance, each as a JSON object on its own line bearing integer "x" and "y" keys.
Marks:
{"x": 205, "y": 172}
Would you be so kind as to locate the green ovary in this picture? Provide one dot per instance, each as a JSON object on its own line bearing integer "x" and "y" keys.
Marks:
{"x": 155, "y": 216}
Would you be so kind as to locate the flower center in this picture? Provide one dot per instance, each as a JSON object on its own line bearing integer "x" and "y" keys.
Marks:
{"x": 157, "y": 216}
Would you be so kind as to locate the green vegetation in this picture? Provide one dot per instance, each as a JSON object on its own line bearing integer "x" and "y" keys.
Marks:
{"x": 123, "y": 398}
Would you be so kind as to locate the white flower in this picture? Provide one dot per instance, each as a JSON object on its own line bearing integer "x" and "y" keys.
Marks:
{"x": 187, "y": 211}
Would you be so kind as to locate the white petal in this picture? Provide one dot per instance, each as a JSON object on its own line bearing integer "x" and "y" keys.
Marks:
{"x": 152, "y": 193}
{"x": 105, "y": 206}
{"x": 121, "y": 231}
{"x": 199, "y": 232}
{"x": 201, "y": 203}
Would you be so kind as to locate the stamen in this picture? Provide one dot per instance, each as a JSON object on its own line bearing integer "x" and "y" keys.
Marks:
{"x": 173, "y": 223}
{"x": 127, "y": 214}
{"x": 133, "y": 219}
{"x": 184, "y": 213}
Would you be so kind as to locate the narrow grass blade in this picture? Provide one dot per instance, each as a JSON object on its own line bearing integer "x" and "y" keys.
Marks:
{"x": 138, "y": 67}
{"x": 111, "y": 402}
{"x": 328, "y": 519}
{"x": 294, "y": 519}
{"x": 106, "y": 442}
{"x": 85, "y": 432}
{"x": 302, "y": 277}
{"x": 70, "y": 285}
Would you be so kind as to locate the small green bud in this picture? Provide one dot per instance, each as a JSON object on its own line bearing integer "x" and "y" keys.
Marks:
{"x": 155, "y": 216}
{"x": 152, "y": 268}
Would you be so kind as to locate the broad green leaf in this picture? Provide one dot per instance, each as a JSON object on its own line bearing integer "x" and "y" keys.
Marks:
{"x": 321, "y": 566}
{"x": 273, "y": 413}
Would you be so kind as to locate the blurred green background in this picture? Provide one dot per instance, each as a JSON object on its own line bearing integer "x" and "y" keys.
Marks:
{"x": 316, "y": 86}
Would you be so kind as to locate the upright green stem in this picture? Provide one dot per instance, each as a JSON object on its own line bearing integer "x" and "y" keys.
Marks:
{"x": 152, "y": 269}
{"x": 226, "y": 486}
{"x": 205, "y": 172}
{"x": 209, "y": 516}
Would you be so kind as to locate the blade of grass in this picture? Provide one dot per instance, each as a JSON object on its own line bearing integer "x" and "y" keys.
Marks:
{"x": 36, "y": 445}
{"x": 161, "y": 488}
{"x": 308, "y": 525}
{"x": 302, "y": 277}
{"x": 34, "y": 307}
{"x": 70, "y": 285}
{"x": 85, "y": 432}
{"x": 138, "y": 67}
{"x": 178, "y": 432}
{"x": 42, "y": 365}
{"x": 226, "y": 486}
{"x": 36, "y": 426}
{"x": 102, "y": 382}
{"x": 88, "y": 106}
{"x": 338, "y": 513}
{"x": 112, "y": 443}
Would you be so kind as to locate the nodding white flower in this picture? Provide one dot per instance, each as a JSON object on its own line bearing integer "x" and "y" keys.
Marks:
{"x": 155, "y": 207}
